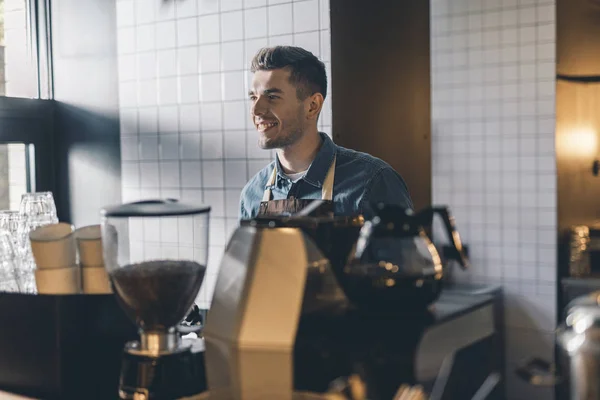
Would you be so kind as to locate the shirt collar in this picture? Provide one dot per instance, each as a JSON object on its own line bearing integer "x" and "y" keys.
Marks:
{"x": 320, "y": 166}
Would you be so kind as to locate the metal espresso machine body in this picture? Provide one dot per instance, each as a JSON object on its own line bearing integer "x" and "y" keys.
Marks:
{"x": 281, "y": 327}
{"x": 251, "y": 327}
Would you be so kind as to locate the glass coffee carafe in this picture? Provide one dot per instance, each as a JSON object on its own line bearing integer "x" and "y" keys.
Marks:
{"x": 155, "y": 253}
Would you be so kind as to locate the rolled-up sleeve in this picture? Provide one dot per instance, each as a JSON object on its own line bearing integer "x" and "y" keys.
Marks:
{"x": 386, "y": 187}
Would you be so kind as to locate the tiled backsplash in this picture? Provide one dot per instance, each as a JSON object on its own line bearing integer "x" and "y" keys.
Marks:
{"x": 183, "y": 79}
{"x": 493, "y": 101}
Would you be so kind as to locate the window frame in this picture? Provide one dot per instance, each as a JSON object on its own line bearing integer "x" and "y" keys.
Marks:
{"x": 31, "y": 122}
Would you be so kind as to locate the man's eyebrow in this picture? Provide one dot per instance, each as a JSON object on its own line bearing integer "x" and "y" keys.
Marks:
{"x": 266, "y": 91}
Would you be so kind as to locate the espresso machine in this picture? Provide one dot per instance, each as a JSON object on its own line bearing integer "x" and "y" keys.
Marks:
{"x": 156, "y": 253}
{"x": 332, "y": 306}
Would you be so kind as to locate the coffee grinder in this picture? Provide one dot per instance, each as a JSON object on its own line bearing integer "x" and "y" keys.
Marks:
{"x": 155, "y": 253}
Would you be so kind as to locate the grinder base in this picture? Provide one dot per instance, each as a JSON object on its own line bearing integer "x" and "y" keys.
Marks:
{"x": 168, "y": 376}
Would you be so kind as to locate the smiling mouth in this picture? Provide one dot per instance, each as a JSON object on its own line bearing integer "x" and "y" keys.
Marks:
{"x": 265, "y": 126}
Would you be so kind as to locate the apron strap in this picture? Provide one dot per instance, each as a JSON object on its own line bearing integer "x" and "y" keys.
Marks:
{"x": 326, "y": 191}
{"x": 267, "y": 194}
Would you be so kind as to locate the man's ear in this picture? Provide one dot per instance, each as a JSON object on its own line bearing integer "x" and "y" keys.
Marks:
{"x": 315, "y": 105}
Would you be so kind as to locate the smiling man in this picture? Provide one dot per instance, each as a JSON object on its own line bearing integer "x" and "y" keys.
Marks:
{"x": 286, "y": 96}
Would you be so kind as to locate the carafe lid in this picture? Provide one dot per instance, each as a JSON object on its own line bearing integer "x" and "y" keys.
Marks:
{"x": 154, "y": 208}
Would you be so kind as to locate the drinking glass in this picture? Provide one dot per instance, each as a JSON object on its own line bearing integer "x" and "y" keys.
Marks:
{"x": 16, "y": 228}
{"x": 10, "y": 220}
{"x": 17, "y": 265}
{"x": 39, "y": 208}
{"x": 8, "y": 264}
{"x": 14, "y": 223}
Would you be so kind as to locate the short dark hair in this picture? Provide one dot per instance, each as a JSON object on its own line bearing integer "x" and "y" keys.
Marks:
{"x": 307, "y": 71}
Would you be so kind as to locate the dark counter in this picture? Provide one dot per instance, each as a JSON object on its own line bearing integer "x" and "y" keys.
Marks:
{"x": 58, "y": 347}
{"x": 62, "y": 346}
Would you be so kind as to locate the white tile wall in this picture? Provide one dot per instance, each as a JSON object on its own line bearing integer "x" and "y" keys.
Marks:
{"x": 493, "y": 68}
{"x": 183, "y": 76}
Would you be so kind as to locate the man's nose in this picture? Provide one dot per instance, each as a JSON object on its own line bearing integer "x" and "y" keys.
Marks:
{"x": 259, "y": 107}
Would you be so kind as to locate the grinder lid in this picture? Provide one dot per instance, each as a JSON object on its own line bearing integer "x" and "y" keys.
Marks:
{"x": 154, "y": 208}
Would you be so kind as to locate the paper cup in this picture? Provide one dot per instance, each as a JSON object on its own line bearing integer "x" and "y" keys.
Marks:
{"x": 89, "y": 245}
{"x": 53, "y": 246}
{"x": 95, "y": 280}
{"x": 58, "y": 280}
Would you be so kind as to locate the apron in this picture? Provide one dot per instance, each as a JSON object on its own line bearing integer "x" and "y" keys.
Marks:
{"x": 286, "y": 207}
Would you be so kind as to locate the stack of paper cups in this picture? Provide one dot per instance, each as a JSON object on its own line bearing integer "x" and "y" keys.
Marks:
{"x": 54, "y": 252}
{"x": 89, "y": 244}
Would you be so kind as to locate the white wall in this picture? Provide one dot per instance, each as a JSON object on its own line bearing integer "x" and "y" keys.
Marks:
{"x": 493, "y": 101}
{"x": 183, "y": 76}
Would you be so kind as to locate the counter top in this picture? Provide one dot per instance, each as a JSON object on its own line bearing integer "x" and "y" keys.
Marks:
{"x": 458, "y": 299}
{"x": 450, "y": 306}
{"x": 362, "y": 330}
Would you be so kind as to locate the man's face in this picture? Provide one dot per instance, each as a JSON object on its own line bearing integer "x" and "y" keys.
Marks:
{"x": 277, "y": 113}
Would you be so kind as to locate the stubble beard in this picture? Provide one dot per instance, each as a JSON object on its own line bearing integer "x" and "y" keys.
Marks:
{"x": 285, "y": 139}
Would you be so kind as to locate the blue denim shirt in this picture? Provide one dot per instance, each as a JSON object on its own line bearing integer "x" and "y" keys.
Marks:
{"x": 360, "y": 181}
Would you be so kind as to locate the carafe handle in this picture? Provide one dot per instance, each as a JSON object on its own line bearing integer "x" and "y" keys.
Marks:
{"x": 457, "y": 252}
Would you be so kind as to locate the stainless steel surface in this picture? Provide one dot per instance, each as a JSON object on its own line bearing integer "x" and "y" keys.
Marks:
{"x": 449, "y": 337}
{"x": 442, "y": 377}
{"x": 159, "y": 342}
{"x": 488, "y": 387}
{"x": 579, "y": 339}
{"x": 456, "y": 288}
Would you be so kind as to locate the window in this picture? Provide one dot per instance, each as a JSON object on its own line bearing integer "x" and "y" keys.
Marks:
{"x": 18, "y": 52}
{"x": 26, "y": 114}
{"x": 15, "y": 174}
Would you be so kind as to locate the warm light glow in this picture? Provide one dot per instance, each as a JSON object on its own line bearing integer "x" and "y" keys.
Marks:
{"x": 579, "y": 142}
{"x": 574, "y": 343}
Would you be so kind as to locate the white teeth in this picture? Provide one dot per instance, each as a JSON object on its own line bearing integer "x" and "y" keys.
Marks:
{"x": 265, "y": 126}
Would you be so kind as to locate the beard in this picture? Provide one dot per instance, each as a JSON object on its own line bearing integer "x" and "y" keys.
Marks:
{"x": 292, "y": 131}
